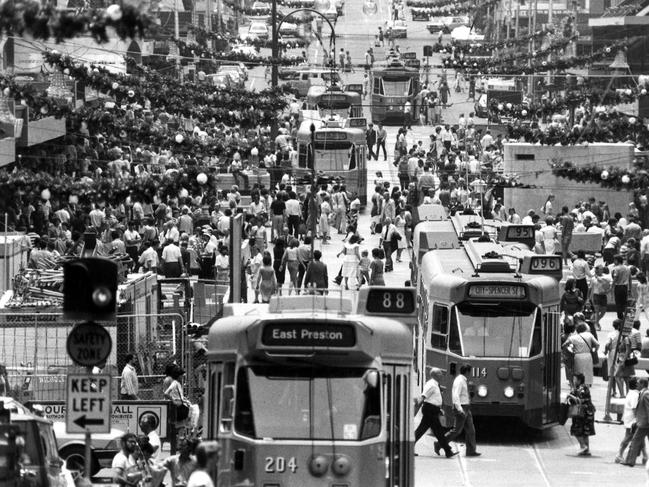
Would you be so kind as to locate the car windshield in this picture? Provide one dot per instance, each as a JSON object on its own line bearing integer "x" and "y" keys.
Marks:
{"x": 495, "y": 330}
{"x": 307, "y": 403}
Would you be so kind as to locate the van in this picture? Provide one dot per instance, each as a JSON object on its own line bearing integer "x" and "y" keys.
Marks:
{"x": 35, "y": 457}
{"x": 305, "y": 79}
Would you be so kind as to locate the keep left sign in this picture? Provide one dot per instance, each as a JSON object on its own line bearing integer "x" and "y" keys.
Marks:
{"x": 88, "y": 403}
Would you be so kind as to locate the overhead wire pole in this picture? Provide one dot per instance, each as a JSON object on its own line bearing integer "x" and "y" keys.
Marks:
{"x": 274, "y": 79}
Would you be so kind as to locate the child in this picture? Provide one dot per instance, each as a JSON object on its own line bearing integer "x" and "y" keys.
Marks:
{"x": 642, "y": 299}
{"x": 364, "y": 269}
{"x": 325, "y": 210}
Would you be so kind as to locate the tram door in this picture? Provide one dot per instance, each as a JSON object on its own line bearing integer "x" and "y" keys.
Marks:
{"x": 552, "y": 365}
{"x": 399, "y": 450}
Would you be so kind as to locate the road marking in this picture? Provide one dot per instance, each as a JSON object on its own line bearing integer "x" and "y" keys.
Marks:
{"x": 539, "y": 464}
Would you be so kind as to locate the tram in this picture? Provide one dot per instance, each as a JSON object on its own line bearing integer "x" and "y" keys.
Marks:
{"x": 306, "y": 392}
{"x": 331, "y": 100}
{"x": 393, "y": 84}
{"x": 495, "y": 306}
{"x": 340, "y": 150}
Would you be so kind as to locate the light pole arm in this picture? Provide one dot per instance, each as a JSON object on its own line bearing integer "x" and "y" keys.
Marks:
{"x": 275, "y": 38}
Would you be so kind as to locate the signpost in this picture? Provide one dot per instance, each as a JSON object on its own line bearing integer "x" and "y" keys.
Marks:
{"x": 88, "y": 403}
{"x": 89, "y": 344}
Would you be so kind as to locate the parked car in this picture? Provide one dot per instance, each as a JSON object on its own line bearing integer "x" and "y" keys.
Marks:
{"x": 239, "y": 68}
{"x": 399, "y": 28}
{"x": 220, "y": 80}
{"x": 72, "y": 449}
{"x": 446, "y": 24}
{"x": 260, "y": 7}
{"x": 236, "y": 80}
{"x": 258, "y": 30}
{"x": 288, "y": 29}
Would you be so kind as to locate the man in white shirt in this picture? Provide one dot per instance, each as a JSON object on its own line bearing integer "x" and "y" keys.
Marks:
{"x": 207, "y": 455}
{"x": 462, "y": 412}
{"x": 129, "y": 382}
{"x": 148, "y": 427}
{"x": 124, "y": 461}
{"x": 431, "y": 409}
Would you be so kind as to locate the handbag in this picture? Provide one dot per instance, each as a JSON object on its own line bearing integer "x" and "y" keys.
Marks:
{"x": 575, "y": 410}
{"x": 396, "y": 236}
{"x": 182, "y": 412}
{"x": 631, "y": 360}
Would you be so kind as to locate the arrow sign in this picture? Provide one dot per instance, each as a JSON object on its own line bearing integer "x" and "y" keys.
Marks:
{"x": 83, "y": 421}
{"x": 88, "y": 403}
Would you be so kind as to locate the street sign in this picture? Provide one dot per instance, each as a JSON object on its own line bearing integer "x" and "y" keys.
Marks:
{"x": 88, "y": 404}
{"x": 89, "y": 344}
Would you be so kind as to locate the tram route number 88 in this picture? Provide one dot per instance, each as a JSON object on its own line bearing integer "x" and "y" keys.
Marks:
{"x": 386, "y": 300}
{"x": 280, "y": 465}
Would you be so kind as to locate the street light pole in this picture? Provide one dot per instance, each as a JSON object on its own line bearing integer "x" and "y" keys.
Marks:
{"x": 274, "y": 80}
{"x": 314, "y": 187}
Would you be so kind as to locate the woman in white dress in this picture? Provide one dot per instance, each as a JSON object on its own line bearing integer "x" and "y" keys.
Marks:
{"x": 351, "y": 260}
{"x": 400, "y": 223}
{"x": 549, "y": 236}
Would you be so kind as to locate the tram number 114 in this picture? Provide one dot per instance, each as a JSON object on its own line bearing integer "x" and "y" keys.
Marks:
{"x": 280, "y": 465}
{"x": 478, "y": 372}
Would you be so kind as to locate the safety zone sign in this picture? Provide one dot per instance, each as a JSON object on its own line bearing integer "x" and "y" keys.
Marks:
{"x": 88, "y": 403}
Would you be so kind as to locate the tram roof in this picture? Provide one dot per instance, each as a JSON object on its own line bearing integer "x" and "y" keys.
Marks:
{"x": 375, "y": 336}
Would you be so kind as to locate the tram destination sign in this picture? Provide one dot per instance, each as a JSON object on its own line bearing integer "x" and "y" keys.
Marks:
{"x": 497, "y": 291}
{"x": 296, "y": 334}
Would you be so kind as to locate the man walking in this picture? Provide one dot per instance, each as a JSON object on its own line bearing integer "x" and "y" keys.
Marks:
{"x": 567, "y": 227}
{"x": 381, "y": 137}
{"x": 370, "y": 138}
{"x": 129, "y": 386}
{"x": 462, "y": 412}
{"x": 431, "y": 397}
{"x": 316, "y": 277}
{"x": 642, "y": 422}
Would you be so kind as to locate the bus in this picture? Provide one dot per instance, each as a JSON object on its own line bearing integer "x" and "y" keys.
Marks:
{"x": 305, "y": 391}
{"x": 340, "y": 151}
{"x": 393, "y": 84}
{"x": 495, "y": 307}
{"x": 334, "y": 101}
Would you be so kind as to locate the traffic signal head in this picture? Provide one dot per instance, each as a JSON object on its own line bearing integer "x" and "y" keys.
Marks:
{"x": 90, "y": 289}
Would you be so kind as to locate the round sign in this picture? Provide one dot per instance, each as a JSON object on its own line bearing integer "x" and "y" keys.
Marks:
{"x": 89, "y": 344}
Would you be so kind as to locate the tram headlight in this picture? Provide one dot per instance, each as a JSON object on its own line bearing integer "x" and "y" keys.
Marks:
{"x": 482, "y": 390}
{"x": 509, "y": 392}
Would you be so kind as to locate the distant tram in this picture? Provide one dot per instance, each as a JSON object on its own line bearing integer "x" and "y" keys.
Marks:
{"x": 312, "y": 398}
{"x": 494, "y": 306}
{"x": 393, "y": 83}
{"x": 340, "y": 150}
{"x": 332, "y": 100}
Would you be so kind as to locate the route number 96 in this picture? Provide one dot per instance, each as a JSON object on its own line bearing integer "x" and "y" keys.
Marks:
{"x": 280, "y": 465}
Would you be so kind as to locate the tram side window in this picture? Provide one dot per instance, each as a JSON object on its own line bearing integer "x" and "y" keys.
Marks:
{"x": 439, "y": 327}
{"x": 378, "y": 86}
{"x": 455, "y": 342}
{"x": 536, "y": 336}
{"x": 352, "y": 157}
{"x": 302, "y": 155}
{"x": 243, "y": 421}
{"x": 227, "y": 397}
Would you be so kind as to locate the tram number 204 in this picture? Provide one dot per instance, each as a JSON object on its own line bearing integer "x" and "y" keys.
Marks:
{"x": 280, "y": 465}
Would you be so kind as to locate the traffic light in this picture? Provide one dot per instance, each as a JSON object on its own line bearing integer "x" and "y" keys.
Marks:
{"x": 428, "y": 51}
{"x": 90, "y": 289}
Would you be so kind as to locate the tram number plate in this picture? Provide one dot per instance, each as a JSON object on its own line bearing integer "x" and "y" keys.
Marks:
{"x": 478, "y": 372}
{"x": 280, "y": 465}
{"x": 393, "y": 301}
{"x": 546, "y": 263}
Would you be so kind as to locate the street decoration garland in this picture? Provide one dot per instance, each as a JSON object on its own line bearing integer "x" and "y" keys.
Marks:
{"x": 608, "y": 177}
{"x": 45, "y": 21}
{"x": 450, "y": 7}
{"x": 456, "y": 59}
{"x": 205, "y": 53}
{"x": 487, "y": 48}
{"x": 200, "y": 101}
{"x": 481, "y": 66}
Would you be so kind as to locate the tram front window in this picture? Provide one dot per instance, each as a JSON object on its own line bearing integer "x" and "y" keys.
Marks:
{"x": 301, "y": 403}
{"x": 397, "y": 88}
{"x": 493, "y": 330}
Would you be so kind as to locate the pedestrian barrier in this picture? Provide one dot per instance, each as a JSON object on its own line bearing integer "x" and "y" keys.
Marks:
{"x": 33, "y": 350}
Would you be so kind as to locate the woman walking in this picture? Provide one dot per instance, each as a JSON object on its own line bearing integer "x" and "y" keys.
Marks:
{"x": 323, "y": 222}
{"x": 630, "y": 421}
{"x": 571, "y": 300}
{"x": 582, "y": 344}
{"x": 266, "y": 284}
{"x": 583, "y": 425}
{"x": 567, "y": 351}
{"x": 291, "y": 261}
{"x": 376, "y": 268}
{"x": 402, "y": 243}
{"x": 350, "y": 262}
{"x": 254, "y": 266}
{"x": 278, "y": 254}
